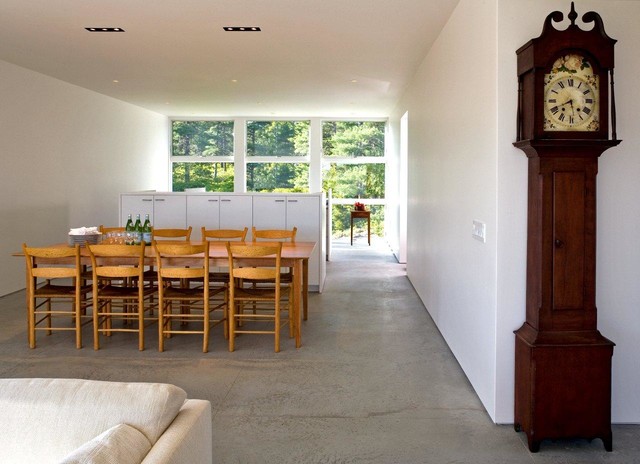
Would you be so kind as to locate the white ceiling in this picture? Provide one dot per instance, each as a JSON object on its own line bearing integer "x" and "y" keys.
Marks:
{"x": 176, "y": 59}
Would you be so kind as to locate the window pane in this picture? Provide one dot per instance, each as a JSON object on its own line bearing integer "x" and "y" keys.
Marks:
{"x": 277, "y": 138}
{"x": 215, "y": 177}
{"x": 353, "y": 138}
{"x": 277, "y": 177}
{"x": 202, "y": 138}
{"x": 355, "y": 180}
{"x": 341, "y": 220}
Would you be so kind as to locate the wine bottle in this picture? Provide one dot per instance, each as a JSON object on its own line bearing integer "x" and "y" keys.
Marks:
{"x": 137, "y": 229}
{"x": 146, "y": 230}
{"x": 129, "y": 230}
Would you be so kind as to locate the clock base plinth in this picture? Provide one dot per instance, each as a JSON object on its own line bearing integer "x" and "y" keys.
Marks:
{"x": 563, "y": 386}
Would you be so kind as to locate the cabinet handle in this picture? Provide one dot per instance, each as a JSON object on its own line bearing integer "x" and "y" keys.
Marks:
{"x": 559, "y": 243}
{"x": 292, "y": 201}
{"x": 279, "y": 201}
{"x": 214, "y": 200}
{"x": 225, "y": 200}
{"x": 147, "y": 199}
{"x": 159, "y": 199}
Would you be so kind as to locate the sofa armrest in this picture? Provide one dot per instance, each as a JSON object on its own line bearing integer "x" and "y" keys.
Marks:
{"x": 188, "y": 439}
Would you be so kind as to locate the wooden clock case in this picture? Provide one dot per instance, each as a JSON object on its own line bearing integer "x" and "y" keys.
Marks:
{"x": 562, "y": 362}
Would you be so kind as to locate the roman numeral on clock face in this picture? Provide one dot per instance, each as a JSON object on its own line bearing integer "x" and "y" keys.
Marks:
{"x": 570, "y": 82}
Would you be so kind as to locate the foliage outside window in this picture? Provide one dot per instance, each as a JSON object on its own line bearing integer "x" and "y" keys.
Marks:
{"x": 353, "y": 138}
{"x": 277, "y": 138}
{"x": 214, "y": 177}
{"x": 202, "y": 155}
{"x": 202, "y": 138}
{"x": 278, "y": 177}
{"x": 354, "y": 169}
{"x": 269, "y": 143}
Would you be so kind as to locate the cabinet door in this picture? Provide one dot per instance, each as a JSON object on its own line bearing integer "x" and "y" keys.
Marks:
{"x": 133, "y": 205}
{"x": 269, "y": 212}
{"x": 203, "y": 211}
{"x": 235, "y": 211}
{"x": 304, "y": 213}
{"x": 169, "y": 211}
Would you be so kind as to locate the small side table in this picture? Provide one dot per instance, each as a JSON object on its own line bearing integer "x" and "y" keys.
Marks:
{"x": 362, "y": 215}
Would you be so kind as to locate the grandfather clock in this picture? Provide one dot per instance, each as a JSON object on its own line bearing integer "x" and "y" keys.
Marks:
{"x": 566, "y": 120}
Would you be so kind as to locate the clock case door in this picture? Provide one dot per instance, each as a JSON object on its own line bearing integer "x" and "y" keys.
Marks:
{"x": 536, "y": 59}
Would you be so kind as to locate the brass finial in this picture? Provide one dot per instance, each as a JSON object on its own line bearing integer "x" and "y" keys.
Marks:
{"x": 573, "y": 15}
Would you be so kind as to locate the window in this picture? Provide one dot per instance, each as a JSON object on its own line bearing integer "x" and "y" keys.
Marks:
{"x": 353, "y": 160}
{"x": 202, "y": 155}
{"x": 277, "y": 156}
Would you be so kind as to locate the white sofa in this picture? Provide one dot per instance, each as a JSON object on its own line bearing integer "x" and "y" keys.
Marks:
{"x": 74, "y": 421}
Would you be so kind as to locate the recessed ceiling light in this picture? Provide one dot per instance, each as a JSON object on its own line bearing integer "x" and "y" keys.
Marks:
{"x": 234, "y": 80}
{"x": 115, "y": 81}
{"x": 242, "y": 29}
{"x": 353, "y": 81}
{"x": 104, "y": 29}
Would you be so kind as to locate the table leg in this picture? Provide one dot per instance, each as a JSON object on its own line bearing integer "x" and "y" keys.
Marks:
{"x": 351, "y": 230}
{"x": 297, "y": 278}
{"x": 305, "y": 288}
{"x": 369, "y": 229}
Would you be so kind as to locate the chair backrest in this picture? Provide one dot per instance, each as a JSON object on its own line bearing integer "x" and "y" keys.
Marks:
{"x": 102, "y": 261}
{"x": 53, "y": 262}
{"x": 106, "y": 230}
{"x": 225, "y": 234}
{"x": 274, "y": 234}
{"x": 171, "y": 234}
{"x": 175, "y": 269}
{"x": 243, "y": 258}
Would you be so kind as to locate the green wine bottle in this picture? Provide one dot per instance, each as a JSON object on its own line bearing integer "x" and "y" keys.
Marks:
{"x": 146, "y": 230}
{"x": 129, "y": 230}
{"x": 137, "y": 229}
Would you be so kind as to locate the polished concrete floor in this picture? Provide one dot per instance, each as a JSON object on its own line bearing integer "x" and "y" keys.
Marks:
{"x": 374, "y": 382}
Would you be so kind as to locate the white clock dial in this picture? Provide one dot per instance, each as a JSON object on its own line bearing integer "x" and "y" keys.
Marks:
{"x": 570, "y": 104}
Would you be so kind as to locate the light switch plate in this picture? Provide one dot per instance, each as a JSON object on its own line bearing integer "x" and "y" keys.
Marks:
{"x": 479, "y": 231}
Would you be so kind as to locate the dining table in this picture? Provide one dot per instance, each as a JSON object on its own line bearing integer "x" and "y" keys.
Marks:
{"x": 294, "y": 255}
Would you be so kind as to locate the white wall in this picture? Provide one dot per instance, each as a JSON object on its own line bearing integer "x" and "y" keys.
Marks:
{"x": 66, "y": 155}
{"x": 452, "y": 181}
{"x": 463, "y": 166}
{"x": 618, "y": 255}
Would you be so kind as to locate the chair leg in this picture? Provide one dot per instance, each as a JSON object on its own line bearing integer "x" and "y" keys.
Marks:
{"x": 32, "y": 322}
{"x": 277, "y": 335}
{"x": 161, "y": 322}
{"x": 48, "y": 316}
{"x": 205, "y": 337}
{"x": 96, "y": 323}
{"x": 78, "y": 311}
{"x": 232, "y": 325}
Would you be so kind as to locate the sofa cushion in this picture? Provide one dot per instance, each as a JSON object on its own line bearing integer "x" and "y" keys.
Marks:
{"x": 59, "y": 415}
{"x": 121, "y": 444}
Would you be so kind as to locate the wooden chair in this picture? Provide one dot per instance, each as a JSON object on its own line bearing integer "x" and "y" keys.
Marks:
{"x": 117, "y": 291}
{"x": 219, "y": 276}
{"x": 283, "y": 235}
{"x": 224, "y": 234}
{"x": 171, "y": 234}
{"x": 151, "y": 274}
{"x": 106, "y": 230}
{"x": 48, "y": 264}
{"x": 265, "y": 299}
{"x": 195, "y": 301}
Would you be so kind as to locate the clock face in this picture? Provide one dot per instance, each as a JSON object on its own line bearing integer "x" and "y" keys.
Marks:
{"x": 571, "y": 96}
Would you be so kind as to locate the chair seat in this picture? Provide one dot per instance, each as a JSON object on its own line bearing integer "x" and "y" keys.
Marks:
{"x": 50, "y": 290}
{"x": 115, "y": 291}
{"x": 179, "y": 292}
{"x": 260, "y": 293}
